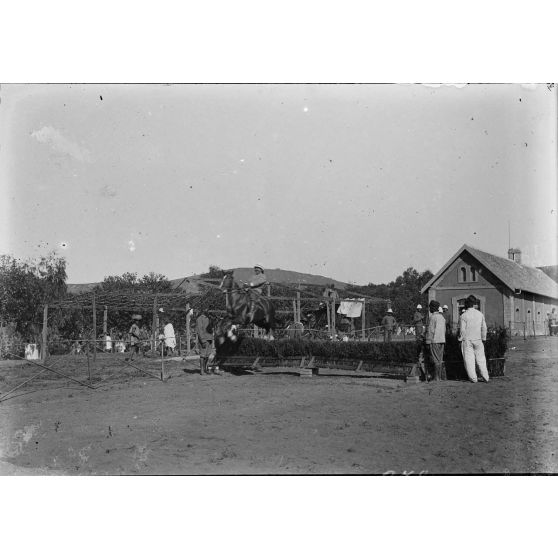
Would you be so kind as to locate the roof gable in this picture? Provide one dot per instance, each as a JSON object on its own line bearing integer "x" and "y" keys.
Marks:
{"x": 512, "y": 274}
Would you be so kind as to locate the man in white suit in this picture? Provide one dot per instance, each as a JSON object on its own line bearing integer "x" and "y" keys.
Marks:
{"x": 472, "y": 334}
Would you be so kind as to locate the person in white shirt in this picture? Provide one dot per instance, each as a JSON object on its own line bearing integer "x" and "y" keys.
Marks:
{"x": 472, "y": 334}
{"x": 170, "y": 338}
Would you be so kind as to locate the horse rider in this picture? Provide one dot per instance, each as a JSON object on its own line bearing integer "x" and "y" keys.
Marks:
{"x": 255, "y": 288}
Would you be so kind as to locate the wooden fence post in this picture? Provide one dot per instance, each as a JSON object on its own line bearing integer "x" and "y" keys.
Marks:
{"x": 363, "y": 320}
{"x": 333, "y": 325}
{"x": 298, "y": 306}
{"x": 94, "y": 329}
{"x": 105, "y": 321}
{"x": 154, "y": 326}
{"x": 44, "y": 348}
{"x": 188, "y": 332}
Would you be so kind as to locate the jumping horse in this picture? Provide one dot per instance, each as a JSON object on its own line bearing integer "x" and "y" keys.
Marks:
{"x": 238, "y": 308}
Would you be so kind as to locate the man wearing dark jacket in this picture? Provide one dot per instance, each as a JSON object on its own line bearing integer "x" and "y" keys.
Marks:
{"x": 447, "y": 317}
{"x": 204, "y": 332}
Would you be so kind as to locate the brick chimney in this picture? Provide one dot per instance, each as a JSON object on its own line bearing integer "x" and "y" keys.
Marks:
{"x": 514, "y": 254}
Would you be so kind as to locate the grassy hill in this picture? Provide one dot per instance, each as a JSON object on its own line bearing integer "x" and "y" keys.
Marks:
{"x": 283, "y": 276}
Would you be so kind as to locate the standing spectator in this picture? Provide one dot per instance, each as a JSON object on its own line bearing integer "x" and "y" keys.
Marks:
{"x": 170, "y": 337}
{"x": 389, "y": 323}
{"x": 553, "y": 322}
{"x": 472, "y": 334}
{"x": 418, "y": 324}
{"x": 436, "y": 339}
{"x": 108, "y": 342}
{"x": 120, "y": 345}
{"x": 206, "y": 345}
{"x": 135, "y": 336}
{"x": 447, "y": 317}
{"x": 418, "y": 321}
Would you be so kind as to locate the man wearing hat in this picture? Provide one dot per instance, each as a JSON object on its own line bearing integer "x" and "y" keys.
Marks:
{"x": 255, "y": 288}
{"x": 418, "y": 321}
{"x": 436, "y": 339}
{"x": 472, "y": 334}
{"x": 418, "y": 324}
{"x": 447, "y": 317}
{"x": 388, "y": 323}
{"x": 135, "y": 336}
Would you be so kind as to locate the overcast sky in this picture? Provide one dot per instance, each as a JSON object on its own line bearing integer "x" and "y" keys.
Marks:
{"x": 355, "y": 182}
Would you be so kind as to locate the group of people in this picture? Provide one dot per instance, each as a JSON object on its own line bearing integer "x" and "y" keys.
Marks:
{"x": 431, "y": 334}
{"x": 139, "y": 336}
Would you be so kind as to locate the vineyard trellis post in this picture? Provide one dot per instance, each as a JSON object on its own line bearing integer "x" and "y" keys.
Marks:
{"x": 94, "y": 333}
{"x": 154, "y": 326}
{"x": 188, "y": 332}
{"x": 105, "y": 321}
{"x": 44, "y": 350}
{"x": 363, "y": 320}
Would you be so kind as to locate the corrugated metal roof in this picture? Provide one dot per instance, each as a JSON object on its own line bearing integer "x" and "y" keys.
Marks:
{"x": 512, "y": 274}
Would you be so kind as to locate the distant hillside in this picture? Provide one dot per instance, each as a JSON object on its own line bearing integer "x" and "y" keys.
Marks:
{"x": 189, "y": 284}
{"x": 289, "y": 277}
{"x": 551, "y": 271}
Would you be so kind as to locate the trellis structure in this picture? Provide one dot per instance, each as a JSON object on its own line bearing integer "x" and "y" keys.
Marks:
{"x": 181, "y": 301}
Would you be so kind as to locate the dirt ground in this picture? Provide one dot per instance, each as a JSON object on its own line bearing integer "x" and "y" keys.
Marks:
{"x": 284, "y": 424}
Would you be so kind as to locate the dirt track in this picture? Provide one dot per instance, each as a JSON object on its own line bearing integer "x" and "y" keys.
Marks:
{"x": 287, "y": 425}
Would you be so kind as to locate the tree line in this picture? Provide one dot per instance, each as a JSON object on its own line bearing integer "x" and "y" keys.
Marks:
{"x": 27, "y": 285}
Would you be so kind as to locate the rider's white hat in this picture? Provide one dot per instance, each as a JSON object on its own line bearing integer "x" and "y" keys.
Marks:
{"x": 258, "y": 266}
{"x": 419, "y": 306}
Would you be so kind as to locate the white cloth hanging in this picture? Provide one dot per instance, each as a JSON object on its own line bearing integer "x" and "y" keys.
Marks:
{"x": 170, "y": 339}
{"x": 352, "y": 308}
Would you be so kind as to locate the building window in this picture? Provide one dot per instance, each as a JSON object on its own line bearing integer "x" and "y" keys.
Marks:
{"x": 462, "y": 275}
{"x": 473, "y": 274}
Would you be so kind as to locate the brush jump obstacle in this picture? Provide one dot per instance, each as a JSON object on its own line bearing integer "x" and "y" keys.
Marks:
{"x": 105, "y": 318}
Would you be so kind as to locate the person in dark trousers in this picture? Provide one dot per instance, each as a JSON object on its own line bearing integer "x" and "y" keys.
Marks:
{"x": 447, "y": 317}
{"x": 206, "y": 344}
{"x": 553, "y": 322}
{"x": 436, "y": 340}
{"x": 389, "y": 323}
{"x": 418, "y": 321}
{"x": 418, "y": 324}
{"x": 135, "y": 336}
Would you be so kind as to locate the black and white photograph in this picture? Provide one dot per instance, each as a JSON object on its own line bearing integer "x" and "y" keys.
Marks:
{"x": 278, "y": 279}
{"x": 233, "y": 279}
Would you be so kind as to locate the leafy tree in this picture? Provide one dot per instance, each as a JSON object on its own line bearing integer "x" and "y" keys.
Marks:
{"x": 150, "y": 283}
{"x": 403, "y": 294}
{"x": 215, "y": 272}
{"x": 26, "y": 286}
